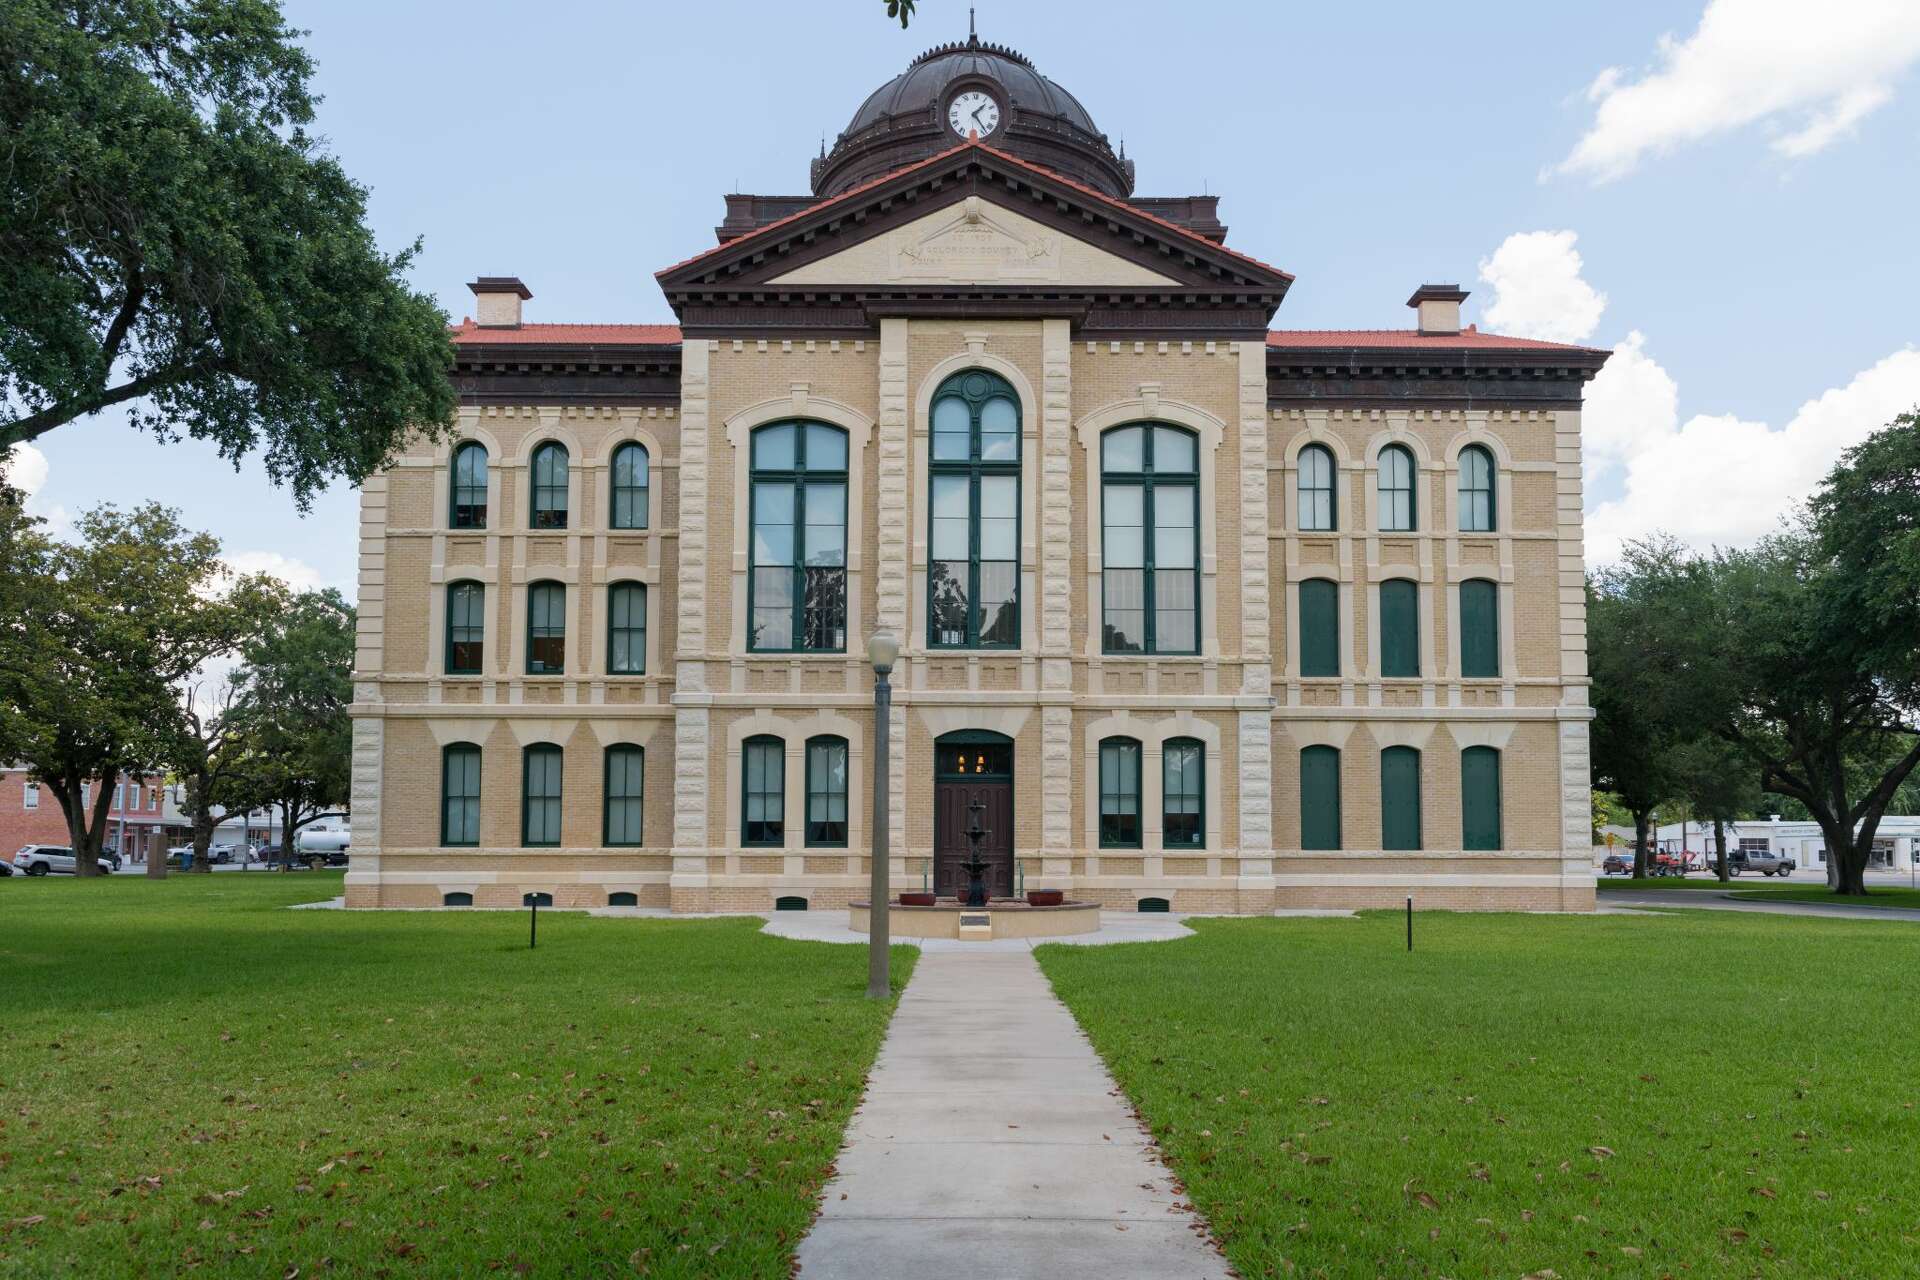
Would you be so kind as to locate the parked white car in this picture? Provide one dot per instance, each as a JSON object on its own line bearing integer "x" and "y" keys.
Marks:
{"x": 50, "y": 859}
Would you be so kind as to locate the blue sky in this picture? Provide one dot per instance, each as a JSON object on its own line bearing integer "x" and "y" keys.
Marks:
{"x": 1725, "y": 190}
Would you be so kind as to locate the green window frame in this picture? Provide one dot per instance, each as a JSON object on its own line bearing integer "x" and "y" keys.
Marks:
{"x": 1400, "y": 798}
{"x": 623, "y": 816}
{"x": 1319, "y": 797}
{"x": 630, "y": 484}
{"x": 546, "y": 628}
{"x": 973, "y": 514}
{"x": 466, "y": 638}
{"x": 1319, "y": 506}
{"x": 1120, "y": 793}
{"x": 1183, "y": 794}
{"x": 1319, "y": 627}
{"x": 797, "y": 549}
{"x": 460, "y": 795}
{"x": 1149, "y": 539}
{"x": 627, "y": 629}
{"x": 826, "y": 774}
{"x": 541, "y": 765}
{"x": 467, "y": 490}
{"x": 1399, "y": 512}
{"x": 1480, "y": 827}
{"x": 549, "y": 507}
{"x": 1478, "y": 512}
{"x": 763, "y": 792}
{"x": 1399, "y": 629}
{"x": 1479, "y": 629}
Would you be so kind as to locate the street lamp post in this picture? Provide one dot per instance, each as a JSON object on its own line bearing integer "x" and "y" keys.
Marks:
{"x": 882, "y": 649}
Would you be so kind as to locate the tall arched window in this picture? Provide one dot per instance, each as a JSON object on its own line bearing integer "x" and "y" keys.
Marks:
{"x": 973, "y": 562}
{"x": 1479, "y": 629}
{"x": 1119, "y": 793}
{"x": 763, "y": 792}
{"x": 1399, "y": 628}
{"x": 1183, "y": 792}
{"x": 826, "y": 792}
{"x": 1480, "y": 798}
{"x": 797, "y": 576}
{"x": 546, "y": 629}
{"x": 1399, "y": 798}
{"x": 626, "y": 773}
{"x": 1476, "y": 490}
{"x": 1150, "y": 497}
{"x": 550, "y": 486}
{"x": 626, "y": 629}
{"x": 630, "y": 484}
{"x": 460, "y": 794}
{"x": 1397, "y": 510}
{"x": 540, "y": 795}
{"x": 1319, "y": 512}
{"x": 467, "y": 496}
{"x": 1319, "y": 797}
{"x": 466, "y": 628}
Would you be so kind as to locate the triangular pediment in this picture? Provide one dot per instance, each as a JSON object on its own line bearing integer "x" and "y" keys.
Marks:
{"x": 974, "y": 242}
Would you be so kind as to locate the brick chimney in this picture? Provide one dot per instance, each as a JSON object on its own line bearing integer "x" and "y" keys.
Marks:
{"x": 497, "y": 301}
{"x": 1439, "y": 308}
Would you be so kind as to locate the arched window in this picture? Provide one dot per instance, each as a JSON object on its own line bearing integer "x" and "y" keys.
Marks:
{"x": 1399, "y": 628}
{"x": 1120, "y": 794}
{"x": 460, "y": 794}
{"x": 1150, "y": 487}
{"x": 456, "y": 899}
{"x": 1319, "y": 512}
{"x": 546, "y": 629}
{"x": 1183, "y": 792}
{"x": 627, "y": 629}
{"x": 1319, "y": 627}
{"x": 550, "y": 486}
{"x": 630, "y": 483}
{"x": 1476, "y": 490}
{"x": 1480, "y": 798}
{"x": 1479, "y": 629}
{"x": 763, "y": 792}
{"x": 973, "y": 563}
{"x": 467, "y": 496}
{"x": 466, "y": 628}
{"x": 1320, "y": 797}
{"x": 540, "y": 795}
{"x": 1400, "y": 798}
{"x": 826, "y": 793}
{"x": 797, "y": 576}
{"x": 626, "y": 772}
{"x": 1397, "y": 513}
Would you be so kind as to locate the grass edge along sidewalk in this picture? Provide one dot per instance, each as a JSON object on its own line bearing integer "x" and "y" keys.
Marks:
{"x": 196, "y": 1079}
{"x": 1526, "y": 1094}
{"x": 1748, "y": 889}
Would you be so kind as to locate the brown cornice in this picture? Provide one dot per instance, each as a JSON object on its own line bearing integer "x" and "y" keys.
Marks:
{"x": 1458, "y": 377}
{"x": 524, "y": 373}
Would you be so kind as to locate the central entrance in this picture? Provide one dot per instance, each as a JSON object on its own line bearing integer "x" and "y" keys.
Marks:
{"x": 972, "y": 767}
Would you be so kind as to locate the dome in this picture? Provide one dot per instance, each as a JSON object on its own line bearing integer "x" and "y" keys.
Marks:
{"x": 903, "y": 121}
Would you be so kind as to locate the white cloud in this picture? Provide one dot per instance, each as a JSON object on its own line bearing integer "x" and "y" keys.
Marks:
{"x": 295, "y": 573}
{"x": 1537, "y": 288}
{"x": 1818, "y": 69}
{"x": 1630, "y": 404}
{"x": 26, "y": 469}
{"x": 1718, "y": 480}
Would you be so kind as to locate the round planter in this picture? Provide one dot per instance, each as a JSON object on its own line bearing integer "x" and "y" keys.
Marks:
{"x": 916, "y": 899}
{"x": 1045, "y": 897}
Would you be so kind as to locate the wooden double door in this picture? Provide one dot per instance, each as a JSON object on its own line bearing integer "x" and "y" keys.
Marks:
{"x": 953, "y": 814}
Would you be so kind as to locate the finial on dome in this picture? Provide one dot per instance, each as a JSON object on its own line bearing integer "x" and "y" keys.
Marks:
{"x": 973, "y": 36}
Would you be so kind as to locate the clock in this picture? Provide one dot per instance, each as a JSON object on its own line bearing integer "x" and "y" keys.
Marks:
{"x": 973, "y": 112}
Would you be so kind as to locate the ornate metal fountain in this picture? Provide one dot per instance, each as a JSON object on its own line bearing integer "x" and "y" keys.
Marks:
{"x": 975, "y": 866}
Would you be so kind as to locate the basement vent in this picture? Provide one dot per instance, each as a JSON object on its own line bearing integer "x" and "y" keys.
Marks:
{"x": 790, "y": 904}
{"x": 1152, "y": 904}
{"x": 456, "y": 899}
{"x": 536, "y": 899}
{"x": 623, "y": 899}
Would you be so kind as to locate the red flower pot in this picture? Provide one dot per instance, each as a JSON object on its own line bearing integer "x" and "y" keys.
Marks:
{"x": 916, "y": 899}
{"x": 1045, "y": 897}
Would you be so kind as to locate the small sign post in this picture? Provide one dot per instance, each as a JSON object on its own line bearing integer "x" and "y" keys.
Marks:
{"x": 533, "y": 920}
{"x": 1409, "y": 922}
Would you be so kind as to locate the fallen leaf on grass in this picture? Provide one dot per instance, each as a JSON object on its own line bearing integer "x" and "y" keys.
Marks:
{"x": 1600, "y": 1153}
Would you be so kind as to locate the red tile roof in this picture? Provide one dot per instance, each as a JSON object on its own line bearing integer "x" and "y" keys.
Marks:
{"x": 1372, "y": 339}
{"x": 597, "y": 335}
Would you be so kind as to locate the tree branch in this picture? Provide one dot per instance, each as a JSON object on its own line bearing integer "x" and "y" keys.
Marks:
{"x": 129, "y": 311}
{"x": 35, "y": 425}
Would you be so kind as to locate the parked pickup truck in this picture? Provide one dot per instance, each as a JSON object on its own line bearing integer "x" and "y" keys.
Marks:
{"x": 1765, "y": 861}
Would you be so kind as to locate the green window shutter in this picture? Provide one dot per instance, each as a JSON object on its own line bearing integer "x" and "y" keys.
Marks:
{"x": 1399, "y": 798}
{"x": 1480, "y": 798}
{"x": 1399, "y": 628}
{"x": 1319, "y": 798}
{"x": 1479, "y": 629}
{"x": 1319, "y": 627}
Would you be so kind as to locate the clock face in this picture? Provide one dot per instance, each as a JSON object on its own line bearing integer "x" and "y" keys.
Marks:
{"x": 973, "y": 112}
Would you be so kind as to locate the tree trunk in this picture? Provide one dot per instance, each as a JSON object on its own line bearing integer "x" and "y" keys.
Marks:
{"x": 1720, "y": 852}
{"x": 1851, "y": 868}
{"x": 203, "y": 825}
{"x": 1642, "y": 819}
{"x": 156, "y": 862}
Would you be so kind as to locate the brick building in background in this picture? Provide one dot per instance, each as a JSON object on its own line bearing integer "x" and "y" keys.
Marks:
{"x": 1196, "y": 612}
{"x": 29, "y": 814}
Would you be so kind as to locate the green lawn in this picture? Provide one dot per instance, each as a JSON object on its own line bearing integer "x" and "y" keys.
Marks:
{"x": 193, "y": 1079}
{"x": 1759, "y": 887}
{"x": 1687, "y": 1094}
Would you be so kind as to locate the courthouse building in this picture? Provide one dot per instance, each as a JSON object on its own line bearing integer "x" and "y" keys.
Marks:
{"x": 1204, "y": 614}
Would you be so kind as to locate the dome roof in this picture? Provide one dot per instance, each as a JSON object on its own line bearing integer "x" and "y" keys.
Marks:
{"x": 903, "y": 121}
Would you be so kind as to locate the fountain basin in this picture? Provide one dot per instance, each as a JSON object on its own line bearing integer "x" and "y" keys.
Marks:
{"x": 1000, "y": 918}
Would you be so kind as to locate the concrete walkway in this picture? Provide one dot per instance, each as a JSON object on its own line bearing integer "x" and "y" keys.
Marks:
{"x": 1709, "y": 900}
{"x": 993, "y": 1143}
{"x": 1115, "y": 926}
